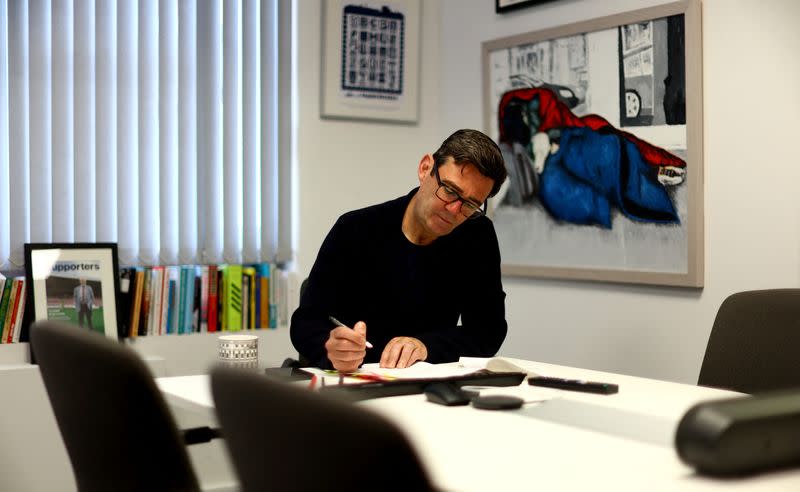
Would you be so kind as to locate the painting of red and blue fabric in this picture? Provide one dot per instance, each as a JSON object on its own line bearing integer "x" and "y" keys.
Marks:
{"x": 604, "y": 171}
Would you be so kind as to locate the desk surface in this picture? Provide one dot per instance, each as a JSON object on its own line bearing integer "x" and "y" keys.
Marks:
{"x": 574, "y": 441}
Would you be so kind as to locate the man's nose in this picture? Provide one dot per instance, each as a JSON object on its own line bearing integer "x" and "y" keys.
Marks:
{"x": 454, "y": 207}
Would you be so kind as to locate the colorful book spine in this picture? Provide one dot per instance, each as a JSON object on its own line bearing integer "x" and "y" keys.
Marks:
{"x": 188, "y": 302}
{"x": 264, "y": 281}
{"x": 273, "y": 296}
{"x": 196, "y": 300}
{"x": 136, "y": 309}
{"x": 182, "y": 299}
{"x": 146, "y": 293}
{"x": 11, "y": 319}
{"x": 157, "y": 283}
{"x": 232, "y": 280}
{"x": 250, "y": 299}
{"x": 4, "y": 305}
{"x": 16, "y": 330}
{"x": 212, "y": 298}
{"x": 204, "y": 298}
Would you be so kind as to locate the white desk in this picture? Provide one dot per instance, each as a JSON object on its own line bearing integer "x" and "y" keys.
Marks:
{"x": 576, "y": 441}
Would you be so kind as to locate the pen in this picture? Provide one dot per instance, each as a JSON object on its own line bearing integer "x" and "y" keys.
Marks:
{"x": 339, "y": 323}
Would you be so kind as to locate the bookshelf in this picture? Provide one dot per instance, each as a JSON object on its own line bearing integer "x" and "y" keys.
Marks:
{"x": 177, "y": 355}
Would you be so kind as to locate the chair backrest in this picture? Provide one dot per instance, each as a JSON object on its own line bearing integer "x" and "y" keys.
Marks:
{"x": 755, "y": 342}
{"x": 116, "y": 426}
{"x": 283, "y": 437}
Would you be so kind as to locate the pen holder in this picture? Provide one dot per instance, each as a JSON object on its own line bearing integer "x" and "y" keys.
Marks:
{"x": 238, "y": 351}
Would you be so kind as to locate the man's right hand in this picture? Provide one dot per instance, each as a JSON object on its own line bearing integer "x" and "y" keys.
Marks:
{"x": 347, "y": 347}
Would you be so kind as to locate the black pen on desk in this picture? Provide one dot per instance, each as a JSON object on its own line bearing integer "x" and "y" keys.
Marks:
{"x": 339, "y": 323}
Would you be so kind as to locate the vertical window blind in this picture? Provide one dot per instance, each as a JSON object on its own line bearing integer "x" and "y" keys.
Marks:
{"x": 163, "y": 126}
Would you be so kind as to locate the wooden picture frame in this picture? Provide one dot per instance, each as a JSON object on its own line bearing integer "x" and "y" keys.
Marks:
{"x": 503, "y": 6}
{"x": 630, "y": 82}
{"x": 76, "y": 283}
{"x": 370, "y": 60}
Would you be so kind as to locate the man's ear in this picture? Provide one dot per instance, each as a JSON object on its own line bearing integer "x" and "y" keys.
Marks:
{"x": 425, "y": 167}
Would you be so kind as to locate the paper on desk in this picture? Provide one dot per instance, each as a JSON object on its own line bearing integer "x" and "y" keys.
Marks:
{"x": 419, "y": 370}
{"x": 373, "y": 372}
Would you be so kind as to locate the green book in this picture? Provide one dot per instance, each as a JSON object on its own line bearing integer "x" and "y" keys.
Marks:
{"x": 232, "y": 285}
{"x": 4, "y": 302}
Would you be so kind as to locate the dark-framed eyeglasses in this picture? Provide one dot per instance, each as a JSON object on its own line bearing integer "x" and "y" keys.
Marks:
{"x": 448, "y": 195}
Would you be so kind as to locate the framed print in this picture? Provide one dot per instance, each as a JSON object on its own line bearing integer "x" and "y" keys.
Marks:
{"x": 370, "y": 60}
{"x": 600, "y": 125}
{"x": 76, "y": 283}
{"x": 503, "y": 6}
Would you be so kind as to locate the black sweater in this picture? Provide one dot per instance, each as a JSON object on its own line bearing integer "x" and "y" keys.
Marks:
{"x": 367, "y": 270}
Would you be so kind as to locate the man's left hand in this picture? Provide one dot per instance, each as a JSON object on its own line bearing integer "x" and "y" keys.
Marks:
{"x": 401, "y": 352}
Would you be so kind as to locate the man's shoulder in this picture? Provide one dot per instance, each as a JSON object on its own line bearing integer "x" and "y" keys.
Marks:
{"x": 375, "y": 214}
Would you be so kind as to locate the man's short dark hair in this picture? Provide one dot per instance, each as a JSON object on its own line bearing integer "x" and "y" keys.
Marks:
{"x": 474, "y": 147}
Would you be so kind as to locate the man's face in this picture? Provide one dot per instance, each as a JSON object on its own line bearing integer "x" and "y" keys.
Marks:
{"x": 437, "y": 217}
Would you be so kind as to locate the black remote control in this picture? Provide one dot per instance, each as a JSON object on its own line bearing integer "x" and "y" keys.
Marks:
{"x": 574, "y": 385}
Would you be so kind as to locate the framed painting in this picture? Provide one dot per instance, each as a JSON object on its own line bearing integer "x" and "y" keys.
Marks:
{"x": 600, "y": 125}
{"x": 370, "y": 60}
{"x": 75, "y": 283}
{"x": 503, "y": 6}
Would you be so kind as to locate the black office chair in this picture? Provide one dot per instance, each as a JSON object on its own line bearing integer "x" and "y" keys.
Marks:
{"x": 301, "y": 361}
{"x": 754, "y": 342}
{"x": 117, "y": 429}
{"x": 288, "y": 438}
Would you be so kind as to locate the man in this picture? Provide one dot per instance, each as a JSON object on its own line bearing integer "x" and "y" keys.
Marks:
{"x": 84, "y": 303}
{"x": 400, "y": 274}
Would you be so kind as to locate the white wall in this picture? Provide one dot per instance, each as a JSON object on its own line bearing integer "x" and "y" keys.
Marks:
{"x": 343, "y": 165}
{"x": 751, "y": 74}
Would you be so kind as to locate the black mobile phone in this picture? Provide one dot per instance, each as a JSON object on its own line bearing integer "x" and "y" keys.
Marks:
{"x": 574, "y": 385}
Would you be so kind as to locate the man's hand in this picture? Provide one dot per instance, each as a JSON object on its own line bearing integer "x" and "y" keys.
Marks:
{"x": 401, "y": 352}
{"x": 347, "y": 347}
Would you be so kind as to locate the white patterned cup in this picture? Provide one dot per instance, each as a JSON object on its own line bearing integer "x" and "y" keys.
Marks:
{"x": 238, "y": 350}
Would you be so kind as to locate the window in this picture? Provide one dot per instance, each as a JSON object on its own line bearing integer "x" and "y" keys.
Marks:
{"x": 162, "y": 126}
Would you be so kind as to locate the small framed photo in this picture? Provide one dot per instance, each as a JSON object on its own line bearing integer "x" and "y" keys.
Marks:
{"x": 75, "y": 283}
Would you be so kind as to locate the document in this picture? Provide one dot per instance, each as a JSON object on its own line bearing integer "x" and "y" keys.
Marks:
{"x": 373, "y": 372}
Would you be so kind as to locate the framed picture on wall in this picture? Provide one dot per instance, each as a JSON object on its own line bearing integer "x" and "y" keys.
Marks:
{"x": 503, "y": 6}
{"x": 75, "y": 283}
{"x": 600, "y": 124}
{"x": 370, "y": 60}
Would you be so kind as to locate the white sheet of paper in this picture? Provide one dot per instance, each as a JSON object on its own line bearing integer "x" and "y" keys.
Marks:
{"x": 419, "y": 370}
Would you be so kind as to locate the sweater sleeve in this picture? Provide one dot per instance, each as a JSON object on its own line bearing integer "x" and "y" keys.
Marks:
{"x": 310, "y": 326}
{"x": 483, "y": 325}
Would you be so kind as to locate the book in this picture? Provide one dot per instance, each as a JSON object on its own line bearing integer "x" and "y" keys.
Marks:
{"x": 195, "y": 306}
{"x": 174, "y": 282}
{"x": 16, "y": 296}
{"x": 249, "y": 272}
{"x": 164, "y": 314}
{"x": 263, "y": 297}
{"x": 212, "y": 298}
{"x": 12, "y": 299}
{"x": 156, "y": 288}
{"x": 204, "y": 298}
{"x": 232, "y": 290}
{"x": 245, "y": 301}
{"x": 273, "y": 307}
{"x": 4, "y": 304}
{"x": 136, "y": 308}
{"x": 142, "y": 330}
{"x": 2, "y": 288}
{"x": 221, "y": 298}
{"x": 16, "y": 329}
